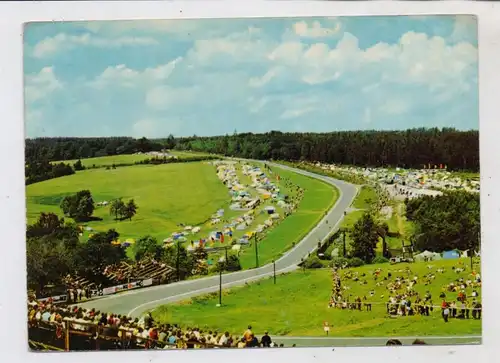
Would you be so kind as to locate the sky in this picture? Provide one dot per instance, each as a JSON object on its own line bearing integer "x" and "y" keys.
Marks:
{"x": 208, "y": 77}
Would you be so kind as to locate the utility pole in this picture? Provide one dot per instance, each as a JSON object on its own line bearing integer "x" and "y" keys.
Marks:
{"x": 226, "y": 253}
{"x": 343, "y": 238}
{"x": 274, "y": 271}
{"x": 471, "y": 252}
{"x": 178, "y": 262}
{"x": 256, "y": 252}
{"x": 220, "y": 285}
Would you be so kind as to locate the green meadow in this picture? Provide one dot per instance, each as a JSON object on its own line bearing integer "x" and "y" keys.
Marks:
{"x": 365, "y": 198}
{"x": 125, "y": 159}
{"x": 167, "y": 195}
{"x": 298, "y": 305}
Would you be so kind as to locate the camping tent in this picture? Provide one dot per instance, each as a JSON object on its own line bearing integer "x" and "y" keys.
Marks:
{"x": 429, "y": 256}
{"x": 270, "y": 209}
{"x": 448, "y": 255}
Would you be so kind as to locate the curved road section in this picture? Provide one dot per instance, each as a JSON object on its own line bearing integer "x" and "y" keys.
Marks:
{"x": 134, "y": 303}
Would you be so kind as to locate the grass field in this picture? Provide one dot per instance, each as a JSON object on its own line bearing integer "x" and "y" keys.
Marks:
{"x": 297, "y": 306}
{"x": 365, "y": 198}
{"x": 124, "y": 159}
{"x": 166, "y": 195}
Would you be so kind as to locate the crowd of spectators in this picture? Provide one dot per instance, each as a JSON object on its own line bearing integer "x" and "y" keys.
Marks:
{"x": 93, "y": 329}
{"x": 403, "y": 299}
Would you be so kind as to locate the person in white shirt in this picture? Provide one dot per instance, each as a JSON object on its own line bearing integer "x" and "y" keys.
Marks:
{"x": 223, "y": 339}
{"x": 446, "y": 313}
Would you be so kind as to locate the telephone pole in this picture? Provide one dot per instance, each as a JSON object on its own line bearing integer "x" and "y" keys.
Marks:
{"x": 274, "y": 271}
{"x": 178, "y": 262}
{"x": 256, "y": 252}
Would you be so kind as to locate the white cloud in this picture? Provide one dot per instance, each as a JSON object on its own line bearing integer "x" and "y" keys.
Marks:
{"x": 243, "y": 46}
{"x": 164, "y": 97}
{"x": 64, "y": 42}
{"x": 145, "y": 128}
{"x": 370, "y": 86}
{"x": 288, "y": 53}
{"x": 416, "y": 59}
{"x": 123, "y": 76}
{"x": 302, "y": 29}
{"x": 261, "y": 81}
{"x": 294, "y": 113}
{"x": 41, "y": 85}
{"x": 395, "y": 107}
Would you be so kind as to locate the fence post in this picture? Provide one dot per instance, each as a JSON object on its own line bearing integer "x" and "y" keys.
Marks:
{"x": 66, "y": 336}
{"x": 98, "y": 331}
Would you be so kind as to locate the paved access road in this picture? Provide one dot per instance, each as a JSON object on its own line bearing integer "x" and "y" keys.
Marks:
{"x": 134, "y": 303}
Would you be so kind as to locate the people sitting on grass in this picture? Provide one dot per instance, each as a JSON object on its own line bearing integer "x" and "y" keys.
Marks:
{"x": 403, "y": 299}
{"x": 123, "y": 332}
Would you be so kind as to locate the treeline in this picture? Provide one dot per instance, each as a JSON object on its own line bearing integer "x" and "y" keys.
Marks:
{"x": 414, "y": 148}
{"x": 41, "y": 170}
{"x": 446, "y": 222}
{"x": 70, "y": 148}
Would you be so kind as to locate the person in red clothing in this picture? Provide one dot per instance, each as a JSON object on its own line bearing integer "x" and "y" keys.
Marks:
{"x": 153, "y": 336}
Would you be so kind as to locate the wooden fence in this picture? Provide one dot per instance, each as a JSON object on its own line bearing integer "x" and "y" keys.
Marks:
{"x": 64, "y": 337}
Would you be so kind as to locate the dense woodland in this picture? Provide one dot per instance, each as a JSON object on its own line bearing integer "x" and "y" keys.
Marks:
{"x": 459, "y": 150}
{"x": 449, "y": 221}
{"x": 70, "y": 148}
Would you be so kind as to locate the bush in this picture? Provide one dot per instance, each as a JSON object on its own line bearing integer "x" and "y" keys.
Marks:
{"x": 356, "y": 262}
{"x": 313, "y": 262}
{"x": 232, "y": 264}
{"x": 339, "y": 262}
{"x": 380, "y": 259}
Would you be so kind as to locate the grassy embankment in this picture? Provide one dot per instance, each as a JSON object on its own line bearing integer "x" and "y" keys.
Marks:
{"x": 297, "y": 306}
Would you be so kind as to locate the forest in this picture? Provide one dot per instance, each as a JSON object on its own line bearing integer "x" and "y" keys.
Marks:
{"x": 413, "y": 148}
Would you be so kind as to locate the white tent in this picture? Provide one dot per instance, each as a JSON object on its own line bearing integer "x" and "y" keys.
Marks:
{"x": 427, "y": 255}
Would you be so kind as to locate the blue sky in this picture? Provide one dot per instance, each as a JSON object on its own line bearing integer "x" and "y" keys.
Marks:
{"x": 215, "y": 76}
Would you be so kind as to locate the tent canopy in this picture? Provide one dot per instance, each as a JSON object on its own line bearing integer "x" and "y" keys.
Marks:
{"x": 428, "y": 255}
{"x": 451, "y": 254}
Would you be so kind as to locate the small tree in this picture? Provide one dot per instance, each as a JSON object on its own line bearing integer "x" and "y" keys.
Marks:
{"x": 98, "y": 253}
{"x": 146, "y": 246}
{"x": 116, "y": 208}
{"x": 79, "y": 206}
{"x": 365, "y": 237}
{"x": 85, "y": 206}
{"x": 130, "y": 209}
{"x": 78, "y": 165}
